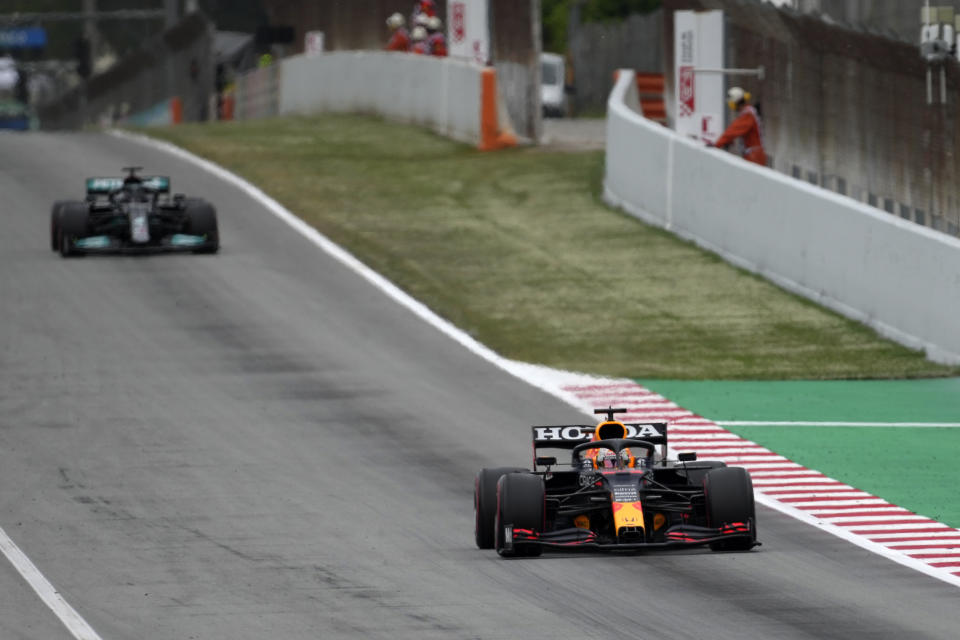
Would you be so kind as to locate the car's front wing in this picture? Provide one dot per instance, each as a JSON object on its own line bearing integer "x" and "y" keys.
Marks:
{"x": 678, "y": 536}
{"x": 111, "y": 244}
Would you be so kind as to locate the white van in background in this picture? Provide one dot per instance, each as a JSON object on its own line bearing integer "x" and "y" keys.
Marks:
{"x": 552, "y": 84}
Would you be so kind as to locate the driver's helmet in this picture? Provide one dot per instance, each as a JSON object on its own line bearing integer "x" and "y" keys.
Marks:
{"x": 135, "y": 193}
{"x": 603, "y": 458}
{"x": 607, "y": 459}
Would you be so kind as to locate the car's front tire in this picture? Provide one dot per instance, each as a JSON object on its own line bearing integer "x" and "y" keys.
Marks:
{"x": 485, "y": 503}
{"x": 55, "y": 224}
{"x": 202, "y": 221}
{"x": 520, "y": 504}
{"x": 74, "y": 224}
{"x": 729, "y": 496}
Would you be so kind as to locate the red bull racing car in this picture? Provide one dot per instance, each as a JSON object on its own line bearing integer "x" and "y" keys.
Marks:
{"x": 618, "y": 491}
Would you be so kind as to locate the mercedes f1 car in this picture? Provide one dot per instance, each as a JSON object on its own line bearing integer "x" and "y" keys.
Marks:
{"x": 618, "y": 492}
{"x": 133, "y": 214}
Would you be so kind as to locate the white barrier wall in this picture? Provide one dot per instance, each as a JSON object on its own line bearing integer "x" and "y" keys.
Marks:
{"x": 897, "y": 277}
{"x": 439, "y": 93}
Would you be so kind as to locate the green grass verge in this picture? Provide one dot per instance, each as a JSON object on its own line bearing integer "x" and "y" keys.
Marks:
{"x": 516, "y": 248}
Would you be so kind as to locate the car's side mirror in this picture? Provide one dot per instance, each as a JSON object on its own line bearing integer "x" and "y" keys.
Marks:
{"x": 546, "y": 461}
{"x": 687, "y": 456}
{"x": 569, "y": 89}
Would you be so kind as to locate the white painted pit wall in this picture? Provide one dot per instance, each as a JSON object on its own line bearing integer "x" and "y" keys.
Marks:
{"x": 895, "y": 276}
{"x": 439, "y": 93}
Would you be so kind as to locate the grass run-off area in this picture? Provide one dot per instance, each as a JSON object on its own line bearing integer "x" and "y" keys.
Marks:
{"x": 517, "y": 248}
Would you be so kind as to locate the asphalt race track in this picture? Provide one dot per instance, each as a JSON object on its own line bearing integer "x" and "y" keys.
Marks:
{"x": 259, "y": 444}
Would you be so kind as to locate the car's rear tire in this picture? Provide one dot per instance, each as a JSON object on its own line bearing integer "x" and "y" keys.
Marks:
{"x": 202, "y": 221}
{"x": 485, "y": 503}
{"x": 520, "y": 503}
{"x": 729, "y": 497}
{"x": 699, "y": 469}
{"x": 74, "y": 224}
{"x": 55, "y": 224}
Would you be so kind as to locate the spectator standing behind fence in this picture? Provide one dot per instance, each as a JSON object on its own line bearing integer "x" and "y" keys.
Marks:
{"x": 747, "y": 125}
{"x": 420, "y": 44}
{"x": 436, "y": 39}
{"x": 421, "y": 20}
{"x": 400, "y": 39}
{"x": 424, "y": 7}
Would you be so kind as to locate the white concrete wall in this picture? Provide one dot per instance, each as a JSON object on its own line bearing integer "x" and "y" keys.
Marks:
{"x": 438, "y": 93}
{"x": 897, "y": 277}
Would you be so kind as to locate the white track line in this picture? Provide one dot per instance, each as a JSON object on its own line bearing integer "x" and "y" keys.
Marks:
{"x": 77, "y": 626}
{"x": 887, "y": 529}
{"x": 578, "y": 390}
{"x": 758, "y": 423}
{"x": 922, "y": 534}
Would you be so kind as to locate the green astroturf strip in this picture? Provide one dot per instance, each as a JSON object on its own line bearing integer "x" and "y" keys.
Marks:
{"x": 930, "y": 400}
{"x": 915, "y": 468}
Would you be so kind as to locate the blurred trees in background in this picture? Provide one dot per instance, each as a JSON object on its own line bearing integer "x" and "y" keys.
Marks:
{"x": 120, "y": 36}
{"x": 556, "y": 14}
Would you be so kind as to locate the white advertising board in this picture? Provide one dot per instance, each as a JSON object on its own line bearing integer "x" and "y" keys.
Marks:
{"x": 698, "y": 87}
{"x": 313, "y": 42}
{"x": 468, "y": 30}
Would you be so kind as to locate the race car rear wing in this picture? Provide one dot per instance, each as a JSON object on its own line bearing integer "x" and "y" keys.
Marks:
{"x": 568, "y": 436}
{"x": 104, "y": 186}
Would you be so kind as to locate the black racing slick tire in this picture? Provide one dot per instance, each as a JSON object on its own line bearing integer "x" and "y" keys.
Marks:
{"x": 697, "y": 470}
{"x": 485, "y": 503}
{"x": 520, "y": 504}
{"x": 202, "y": 221}
{"x": 729, "y": 497}
{"x": 74, "y": 224}
{"x": 55, "y": 224}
